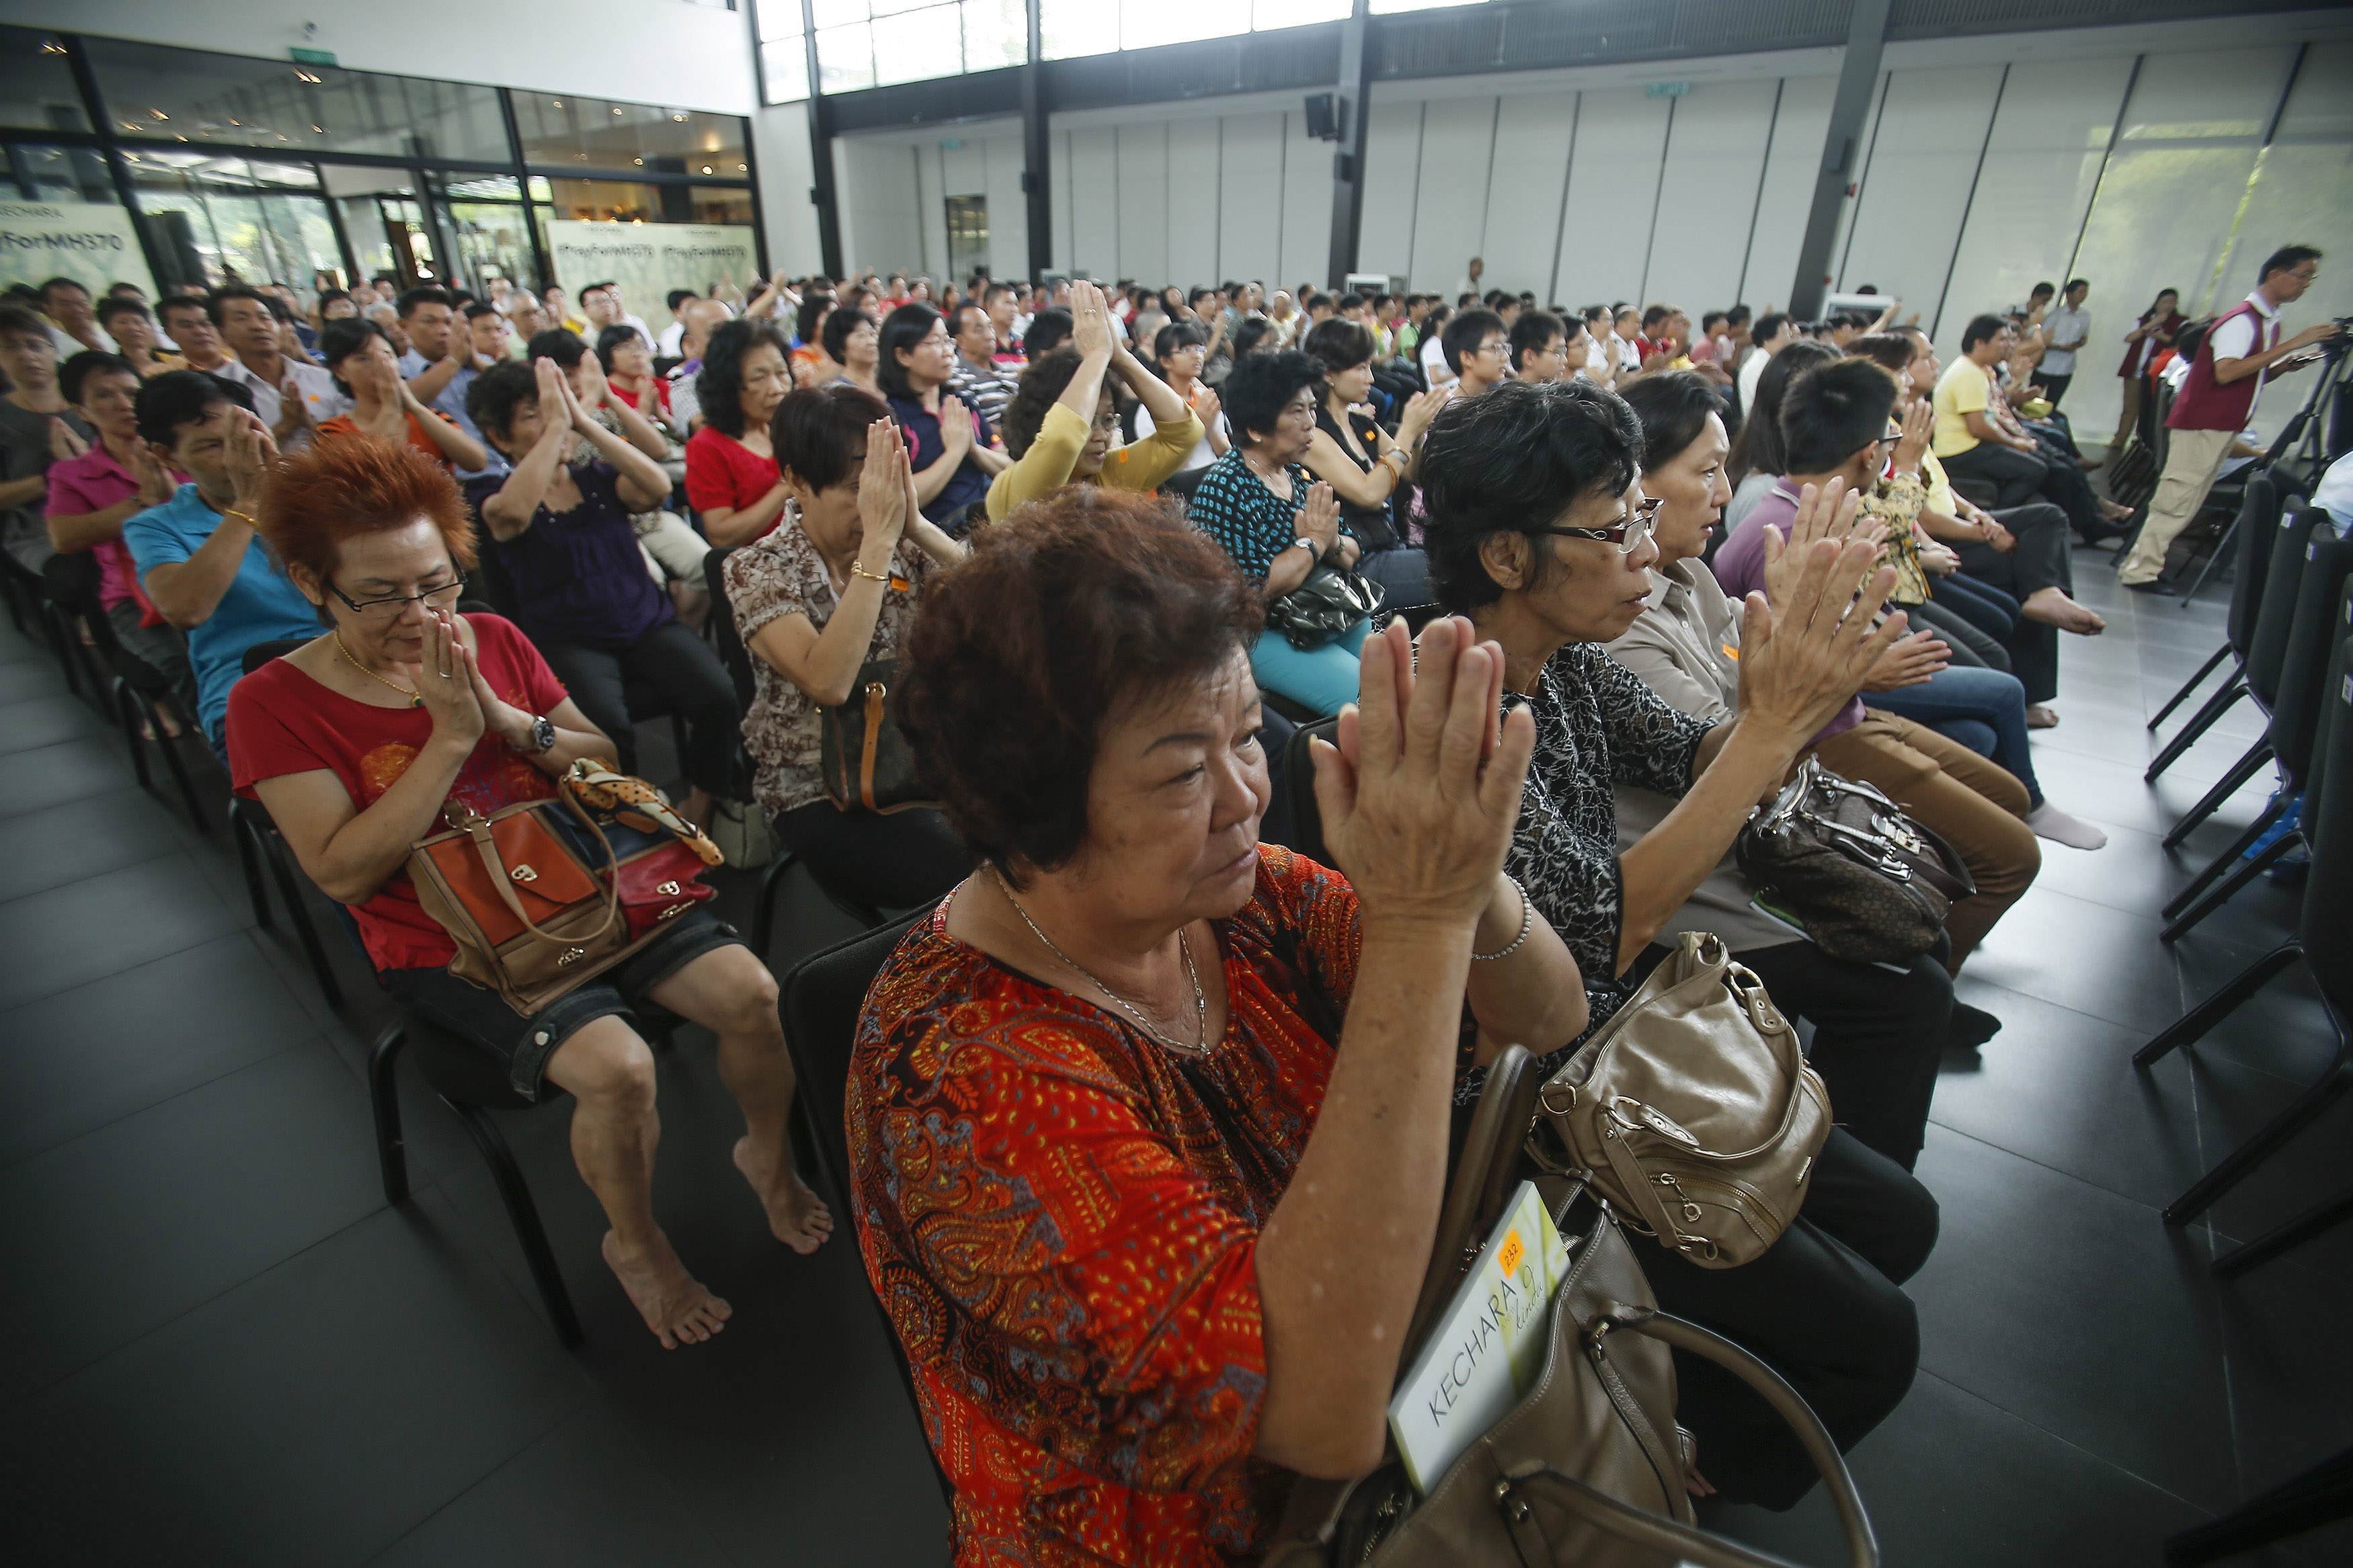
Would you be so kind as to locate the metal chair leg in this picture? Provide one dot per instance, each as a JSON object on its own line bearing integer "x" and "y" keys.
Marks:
{"x": 2265, "y": 1140}
{"x": 305, "y": 928}
{"x": 2228, "y": 784}
{"x": 2190, "y": 685}
{"x": 2191, "y": 1026}
{"x": 384, "y": 1100}
{"x": 2274, "y": 809}
{"x": 61, "y": 643}
{"x": 2247, "y": 871}
{"x": 2223, "y": 551}
{"x": 126, "y": 711}
{"x": 179, "y": 768}
{"x": 2213, "y": 709}
{"x": 523, "y": 1215}
{"x": 763, "y": 913}
{"x": 2322, "y": 1495}
{"x": 249, "y": 860}
{"x": 2281, "y": 1239}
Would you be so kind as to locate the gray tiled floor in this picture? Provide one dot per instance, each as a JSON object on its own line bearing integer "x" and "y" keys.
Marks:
{"x": 224, "y": 1347}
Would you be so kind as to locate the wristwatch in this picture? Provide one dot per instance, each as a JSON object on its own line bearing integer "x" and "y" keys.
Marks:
{"x": 542, "y": 733}
{"x": 1314, "y": 551}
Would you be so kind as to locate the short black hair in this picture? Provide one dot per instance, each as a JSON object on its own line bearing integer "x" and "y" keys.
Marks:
{"x": 1338, "y": 345}
{"x": 815, "y": 306}
{"x": 1512, "y": 462}
{"x": 557, "y": 344}
{"x": 220, "y": 297}
{"x": 1737, "y": 316}
{"x": 2288, "y": 259}
{"x": 1262, "y": 385}
{"x": 903, "y": 328}
{"x": 1673, "y": 409}
{"x": 62, "y": 282}
{"x": 115, "y": 305}
{"x": 1049, "y": 329}
{"x": 423, "y": 294}
{"x": 1981, "y": 329}
{"x": 1465, "y": 333}
{"x": 1654, "y": 315}
{"x": 1534, "y": 332}
{"x": 2045, "y": 287}
{"x": 956, "y": 316}
{"x": 473, "y": 312}
{"x": 1043, "y": 381}
{"x": 1768, "y": 326}
{"x": 840, "y": 322}
{"x": 2076, "y": 283}
{"x": 179, "y": 397}
{"x": 678, "y": 296}
{"x": 817, "y": 431}
{"x": 1758, "y": 448}
{"x": 343, "y": 337}
{"x": 1891, "y": 351}
{"x": 1250, "y": 334}
{"x": 170, "y": 302}
{"x": 719, "y": 383}
{"x": 616, "y": 336}
{"x": 1830, "y": 414}
{"x": 86, "y": 364}
{"x": 1172, "y": 338}
{"x": 498, "y": 392}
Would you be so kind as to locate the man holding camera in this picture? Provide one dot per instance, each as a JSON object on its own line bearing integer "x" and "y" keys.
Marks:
{"x": 2242, "y": 351}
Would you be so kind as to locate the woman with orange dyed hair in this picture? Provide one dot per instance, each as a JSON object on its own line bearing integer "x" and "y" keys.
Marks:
{"x": 357, "y": 741}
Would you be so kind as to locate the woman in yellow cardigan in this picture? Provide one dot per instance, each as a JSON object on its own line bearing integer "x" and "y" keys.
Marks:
{"x": 1061, "y": 424}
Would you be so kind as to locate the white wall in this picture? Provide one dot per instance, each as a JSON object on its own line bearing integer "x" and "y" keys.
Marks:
{"x": 640, "y": 51}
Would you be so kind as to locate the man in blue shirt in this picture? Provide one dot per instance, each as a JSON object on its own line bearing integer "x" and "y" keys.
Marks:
{"x": 440, "y": 364}
{"x": 199, "y": 557}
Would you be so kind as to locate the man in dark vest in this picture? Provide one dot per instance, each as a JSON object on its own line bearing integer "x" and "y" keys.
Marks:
{"x": 2242, "y": 351}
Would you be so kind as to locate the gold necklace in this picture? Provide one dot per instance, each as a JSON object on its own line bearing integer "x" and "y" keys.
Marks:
{"x": 415, "y": 698}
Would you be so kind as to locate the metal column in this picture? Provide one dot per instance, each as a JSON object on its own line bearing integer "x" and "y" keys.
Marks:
{"x": 1850, "y": 106}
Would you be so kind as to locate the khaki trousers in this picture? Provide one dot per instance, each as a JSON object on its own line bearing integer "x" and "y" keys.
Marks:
{"x": 2192, "y": 458}
{"x": 1976, "y": 806}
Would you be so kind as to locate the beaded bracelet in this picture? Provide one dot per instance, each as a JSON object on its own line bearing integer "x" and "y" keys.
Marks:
{"x": 1527, "y": 925}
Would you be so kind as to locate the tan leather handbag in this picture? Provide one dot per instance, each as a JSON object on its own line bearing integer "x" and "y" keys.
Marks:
{"x": 1589, "y": 1469}
{"x": 1692, "y": 1110}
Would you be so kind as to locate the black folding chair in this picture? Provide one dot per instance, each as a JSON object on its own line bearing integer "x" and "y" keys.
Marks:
{"x": 126, "y": 686}
{"x": 260, "y": 843}
{"x": 2259, "y": 515}
{"x": 822, "y": 998}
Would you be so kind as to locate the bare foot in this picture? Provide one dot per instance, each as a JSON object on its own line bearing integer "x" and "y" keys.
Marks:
{"x": 2051, "y": 607}
{"x": 673, "y": 1304}
{"x": 796, "y": 1215}
{"x": 2041, "y": 717}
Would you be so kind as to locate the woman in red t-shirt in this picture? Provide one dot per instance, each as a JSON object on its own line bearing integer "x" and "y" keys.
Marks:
{"x": 360, "y": 740}
{"x": 731, "y": 470}
{"x": 628, "y": 364}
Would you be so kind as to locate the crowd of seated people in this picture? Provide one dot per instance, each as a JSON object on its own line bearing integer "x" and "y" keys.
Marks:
{"x": 1691, "y": 556}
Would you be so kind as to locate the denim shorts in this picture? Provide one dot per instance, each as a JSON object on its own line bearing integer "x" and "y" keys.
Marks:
{"x": 482, "y": 1016}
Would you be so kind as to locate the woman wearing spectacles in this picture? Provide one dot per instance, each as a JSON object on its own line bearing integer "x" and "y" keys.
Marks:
{"x": 1538, "y": 530}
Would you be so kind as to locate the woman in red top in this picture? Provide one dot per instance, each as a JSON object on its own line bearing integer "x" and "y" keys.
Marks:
{"x": 2152, "y": 335}
{"x": 1110, "y": 1153}
{"x": 627, "y": 361}
{"x": 358, "y": 742}
{"x": 359, "y": 355}
{"x": 731, "y": 468}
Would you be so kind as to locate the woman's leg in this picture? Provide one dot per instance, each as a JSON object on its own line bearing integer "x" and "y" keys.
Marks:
{"x": 1879, "y": 1035}
{"x": 593, "y": 679}
{"x": 893, "y": 862}
{"x": 2129, "y": 417}
{"x": 1324, "y": 678}
{"x": 1823, "y": 1306}
{"x": 1971, "y": 648}
{"x": 682, "y": 668}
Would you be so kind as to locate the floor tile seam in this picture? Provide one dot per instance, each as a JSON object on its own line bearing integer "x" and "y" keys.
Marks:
{"x": 23, "y": 1001}
{"x": 585, "y": 1396}
{"x": 2154, "y": 1209}
{"x": 7, "y": 1165}
{"x": 127, "y": 1346}
{"x": 174, "y": 848}
{"x": 15, "y": 1007}
{"x": 2063, "y": 1439}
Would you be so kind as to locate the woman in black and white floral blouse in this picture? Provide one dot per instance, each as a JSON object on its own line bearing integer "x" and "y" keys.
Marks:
{"x": 1538, "y": 530}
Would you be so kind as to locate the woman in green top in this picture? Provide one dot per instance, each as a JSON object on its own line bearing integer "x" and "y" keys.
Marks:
{"x": 1061, "y": 424}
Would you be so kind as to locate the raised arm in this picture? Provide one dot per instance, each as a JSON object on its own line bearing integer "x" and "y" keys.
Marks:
{"x": 643, "y": 485}
{"x": 509, "y": 511}
{"x": 187, "y": 591}
{"x": 460, "y": 448}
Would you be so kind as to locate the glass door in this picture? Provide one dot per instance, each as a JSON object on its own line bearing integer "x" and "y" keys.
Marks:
{"x": 968, "y": 236}
{"x": 483, "y": 217}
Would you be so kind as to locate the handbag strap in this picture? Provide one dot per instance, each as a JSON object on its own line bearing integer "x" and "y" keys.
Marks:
{"x": 870, "y": 742}
{"x": 1668, "y": 1536}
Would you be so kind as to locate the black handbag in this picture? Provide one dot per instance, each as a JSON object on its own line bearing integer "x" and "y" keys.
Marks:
{"x": 1330, "y": 601}
{"x": 1869, "y": 884}
{"x": 864, "y": 755}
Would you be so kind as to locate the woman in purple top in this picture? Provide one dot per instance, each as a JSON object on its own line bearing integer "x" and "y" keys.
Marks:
{"x": 581, "y": 588}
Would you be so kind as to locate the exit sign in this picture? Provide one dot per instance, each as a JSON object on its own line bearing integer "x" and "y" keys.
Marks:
{"x": 313, "y": 57}
{"x": 1667, "y": 89}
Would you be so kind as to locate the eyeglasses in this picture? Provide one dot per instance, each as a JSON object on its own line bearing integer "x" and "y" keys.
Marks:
{"x": 388, "y": 609}
{"x": 1628, "y": 536}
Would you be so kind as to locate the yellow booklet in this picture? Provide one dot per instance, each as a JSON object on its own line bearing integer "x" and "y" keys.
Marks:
{"x": 1489, "y": 1344}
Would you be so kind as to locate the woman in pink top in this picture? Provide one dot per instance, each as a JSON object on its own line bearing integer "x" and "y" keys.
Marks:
{"x": 93, "y": 495}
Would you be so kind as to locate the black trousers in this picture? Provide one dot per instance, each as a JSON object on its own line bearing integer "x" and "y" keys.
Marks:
{"x": 1823, "y": 1307}
{"x": 2055, "y": 387}
{"x": 2040, "y": 559}
{"x": 1972, "y": 645}
{"x": 893, "y": 862}
{"x": 2013, "y": 476}
{"x": 1879, "y": 1036}
{"x": 681, "y": 669}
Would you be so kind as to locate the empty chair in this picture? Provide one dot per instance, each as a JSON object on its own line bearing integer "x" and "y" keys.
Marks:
{"x": 2313, "y": 664}
{"x": 2323, "y": 944}
{"x": 2259, "y": 515}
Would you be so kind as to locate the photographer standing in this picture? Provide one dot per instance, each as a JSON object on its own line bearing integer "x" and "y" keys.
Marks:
{"x": 2239, "y": 354}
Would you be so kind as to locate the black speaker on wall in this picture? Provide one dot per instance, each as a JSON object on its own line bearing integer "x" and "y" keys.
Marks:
{"x": 1323, "y": 117}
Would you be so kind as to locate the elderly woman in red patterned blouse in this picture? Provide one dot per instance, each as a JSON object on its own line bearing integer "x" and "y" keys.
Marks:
{"x": 1121, "y": 1107}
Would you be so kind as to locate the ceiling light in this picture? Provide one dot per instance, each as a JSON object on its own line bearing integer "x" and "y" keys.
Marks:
{"x": 128, "y": 126}
{"x": 706, "y": 168}
{"x": 556, "y": 101}
{"x": 306, "y": 76}
{"x": 320, "y": 129}
{"x": 679, "y": 118}
{"x": 640, "y": 163}
{"x": 743, "y": 168}
{"x": 616, "y": 111}
{"x": 159, "y": 114}
{"x": 232, "y": 122}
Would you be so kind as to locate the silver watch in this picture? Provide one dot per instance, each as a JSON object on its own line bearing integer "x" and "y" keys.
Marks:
{"x": 542, "y": 733}
{"x": 1314, "y": 551}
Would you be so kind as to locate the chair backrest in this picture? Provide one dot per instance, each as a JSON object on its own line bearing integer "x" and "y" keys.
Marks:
{"x": 261, "y": 653}
{"x": 2259, "y": 515}
{"x": 490, "y": 580}
{"x": 1306, "y": 830}
{"x": 1182, "y": 486}
{"x": 2326, "y": 927}
{"x": 724, "y": 634}
{"x": 2277, "y": 612}
{"x": 822, "y": 997}
{"x": 2311, "y": 635}
{"x": 2340, "y": 664}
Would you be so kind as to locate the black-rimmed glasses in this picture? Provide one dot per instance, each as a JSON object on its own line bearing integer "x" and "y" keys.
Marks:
{"x": 389, "y": 608}
{"x": 1628, "y": 536}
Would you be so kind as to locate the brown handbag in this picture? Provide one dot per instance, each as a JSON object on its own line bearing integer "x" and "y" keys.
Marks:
{"x": 533, "y": 909}
{"x": 1870, "y": 883}
{"x": 1692, "y": 1110}
{"x": 1589, "y": 1469}
{"x": 863, "y": 755}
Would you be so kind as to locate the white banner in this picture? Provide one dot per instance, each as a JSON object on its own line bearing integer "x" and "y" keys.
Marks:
{"x": 90, "y": 243}
{"x": 649, "y": 259}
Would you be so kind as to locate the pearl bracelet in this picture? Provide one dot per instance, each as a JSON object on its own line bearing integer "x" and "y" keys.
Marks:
{"x": 1527, "y": 925}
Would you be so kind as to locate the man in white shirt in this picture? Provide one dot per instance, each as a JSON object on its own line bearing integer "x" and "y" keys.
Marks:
{"x": 667, "y": 346}
{"x": 603, "y": 303}
{"x": 1774, "y": 332}
{"x": 248, "y": 329}
{"x": 2065, "y": 331}
{"x": 1470, "y": 283}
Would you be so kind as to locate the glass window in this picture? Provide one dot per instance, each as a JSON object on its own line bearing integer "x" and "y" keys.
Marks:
{"x": 1268, "y": 15}
{"x": 784, "y": 69}
{"x": 559, "y": 129}
{"x": 185, "y": 95}
{"x": 58, "y": 209}
{"x": 39, "y": 174}
{"x": 845, "y": 57}
{"x": 995, "y": 33}
{"x": 1392, "y": 7}
{"x": 917, "y": 46}
{"x": 1148, "y": 24}
{"x": 874, "y": 43}
{"x": 37, "y": 84}
{"x": 1069, "y": 28}
{"x": 215, "y": 218}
